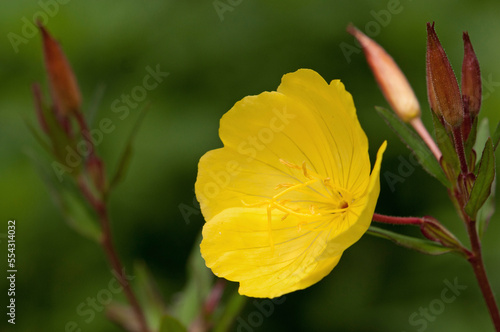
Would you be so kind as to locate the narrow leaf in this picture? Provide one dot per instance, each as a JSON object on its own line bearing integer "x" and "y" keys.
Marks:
{"x": 496, "y": 136}
{"x": 483, "y": 133}
{"x": 94, "y": 103}
{"x": 470, "y": 143}
{"x": 482, "y": 186}
{"x": 471, "y": 140}
{"x": 149, "y": 295}
{"x": 420, "y": 245}
{"x": 126, "y": 156}
{"x": 38, "y": 137}
{"x": 79, "y": 217}
{"x": 234, "y": 306}
{"x": 76, "y": 212}
{"x": 170, "y": 324}
{"x": 415, "y": 144}
{"x": 486, "y": 211}
{"x": 199, "y": 284}
{"x": 445, "y": 144}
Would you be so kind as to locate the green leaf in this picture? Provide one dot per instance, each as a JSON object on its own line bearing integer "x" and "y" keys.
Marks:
{"x": 199, "y": 284}
{"x": 420, "y": 245}
{"x": 415, "y": 144}
{"x": 94, "y": 104}
{"x": 38, "y": 137}
{"x": 470, "y": 143}
{"x": 77, "y": 214}
{"x": 445, "y": 144}
{"x": 482, "y": 186}
{"x": 58, "y": 137}
{"x": 496, "y": 136}
{"x": 486, "y": 211}
{"x": 126, "y": 156}
{"x": 483, "y": 133}
{"x": 149, "y": 295}
{"x": 170, "y": 324}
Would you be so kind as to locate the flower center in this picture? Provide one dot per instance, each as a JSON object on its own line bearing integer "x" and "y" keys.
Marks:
{"x": 311, "y": 200}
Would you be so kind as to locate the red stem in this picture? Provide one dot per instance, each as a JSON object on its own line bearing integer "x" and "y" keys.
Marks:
{"x": 397, "y": 220}
{"x": 476, "y": 261}
{"x": 106, "y": 242}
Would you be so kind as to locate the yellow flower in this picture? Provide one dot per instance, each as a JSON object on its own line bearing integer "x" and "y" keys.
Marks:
{"x": 291, "y": 188}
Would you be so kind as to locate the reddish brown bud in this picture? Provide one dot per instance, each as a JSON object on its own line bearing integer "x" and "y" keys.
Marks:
{"x": 436, "y": 232}
{"x": 63, "y": 85}
{"x": 442, "y": 87}
{"x": 390, "y": 78}
{"x": 471, "y": 79}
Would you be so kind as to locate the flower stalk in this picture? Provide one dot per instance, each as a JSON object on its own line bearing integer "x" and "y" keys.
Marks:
{"x": 395, "y": 87}
{"x": 476, "y": 261}
{"x": 456, "y": 114}
{"x": 90, "y": 178}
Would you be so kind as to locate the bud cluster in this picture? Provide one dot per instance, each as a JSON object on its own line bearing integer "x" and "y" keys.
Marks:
{"x": 63, "y": 121}
{"x": 455, "y": 109}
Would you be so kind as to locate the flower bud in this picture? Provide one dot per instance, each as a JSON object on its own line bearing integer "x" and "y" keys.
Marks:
{"x": 390, "y": 78}
{"x": 63, "y": 85}
{"x": 471, "y": 79}
{"x": 442, "y": 87}
{"x": 436, "y": 232}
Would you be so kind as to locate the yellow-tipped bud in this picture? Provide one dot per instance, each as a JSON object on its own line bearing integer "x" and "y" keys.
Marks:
{"x": 390, "y": 78}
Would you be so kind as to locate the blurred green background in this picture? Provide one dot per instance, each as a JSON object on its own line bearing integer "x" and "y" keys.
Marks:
{"x": 215, "y": 59}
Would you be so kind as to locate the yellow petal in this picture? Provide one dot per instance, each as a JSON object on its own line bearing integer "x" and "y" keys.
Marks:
{"x": 319, "y": 128}
{"x": 290, "y": 190}
{"x": 236, "y": 247}
{"x": 236, "y": 244}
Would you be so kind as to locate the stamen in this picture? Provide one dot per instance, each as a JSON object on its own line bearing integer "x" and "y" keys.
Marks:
{"x": 289, "y": 164}
{"x": 283, "y": 185}
{"x": 254, "y": 204}
{"x": 304, "y": 169}
{"x": 309, "y": 217}
{"x": 297, "y": 186}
